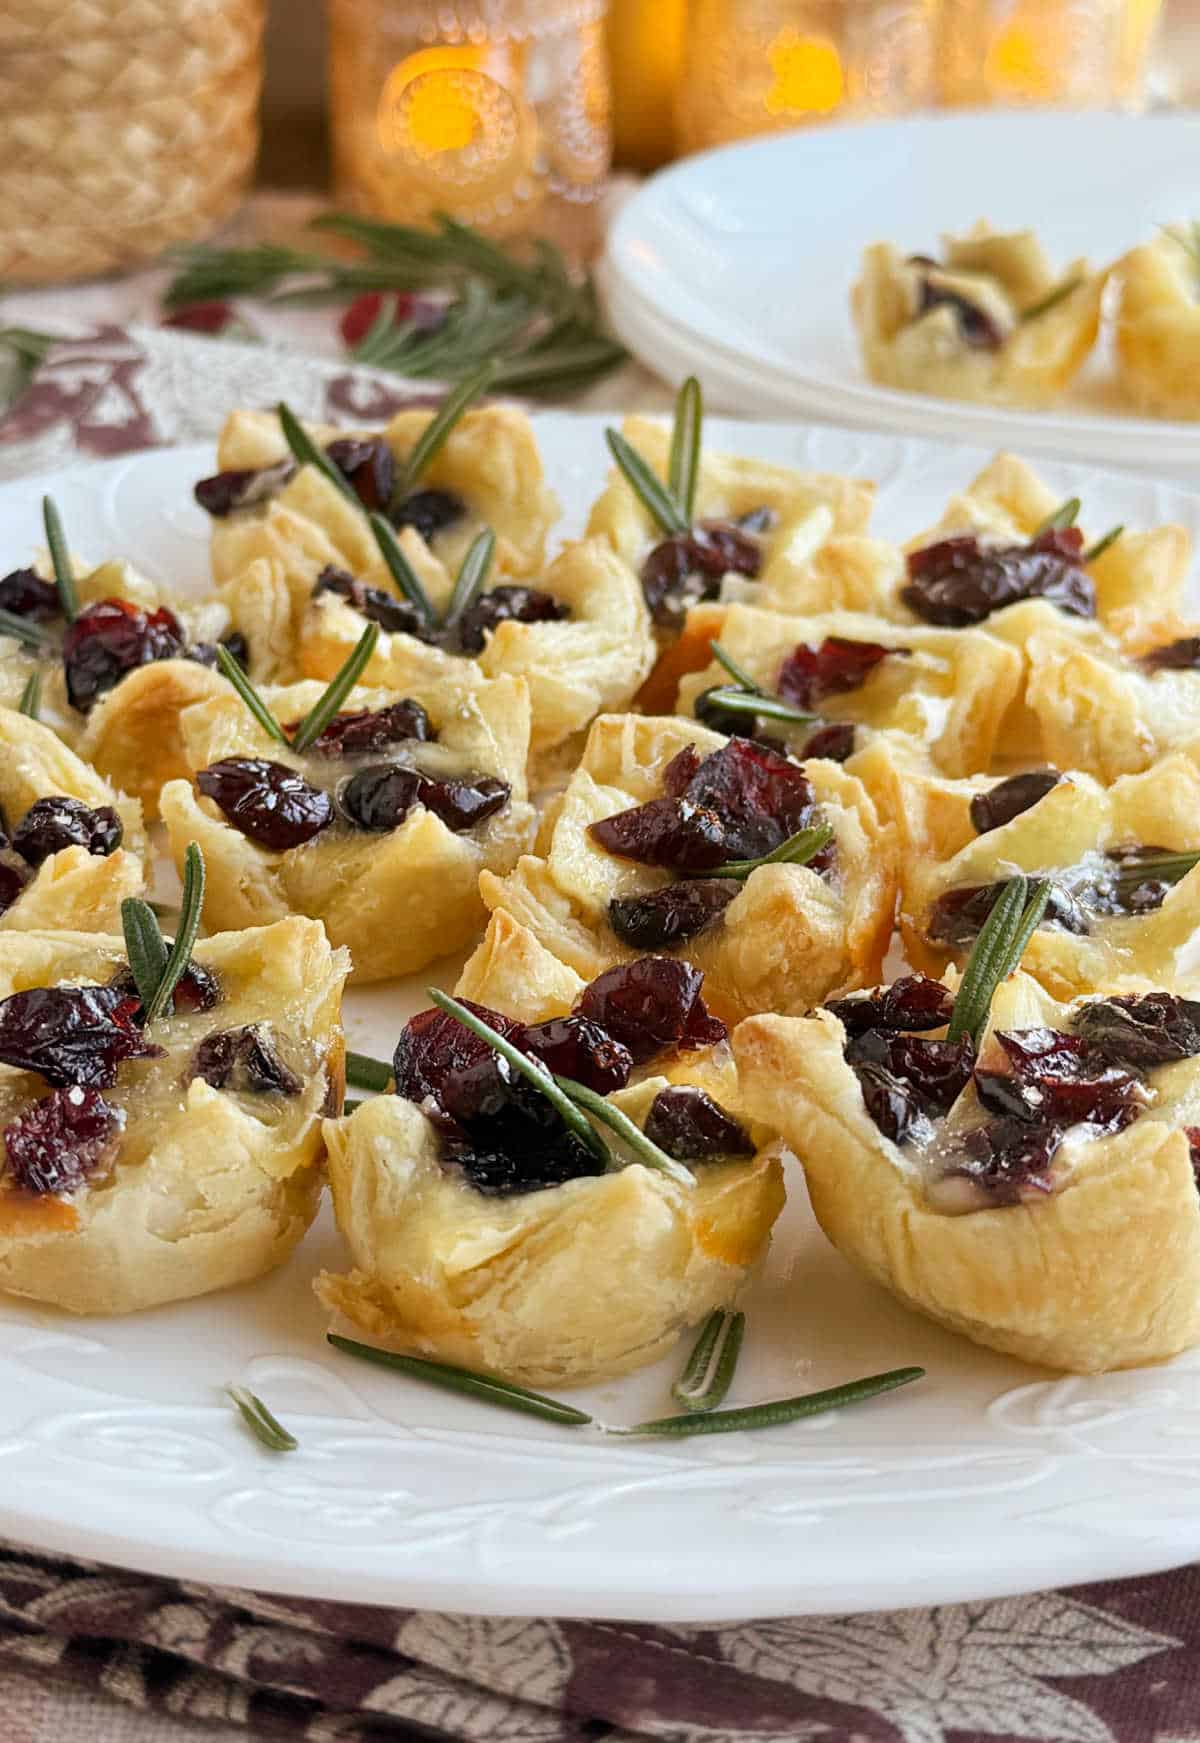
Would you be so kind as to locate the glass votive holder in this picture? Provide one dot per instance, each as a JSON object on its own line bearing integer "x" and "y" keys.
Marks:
{"x": 493, "y": 111}
{"x": 763, "y": 66}
{"x": 1064, "y": 54}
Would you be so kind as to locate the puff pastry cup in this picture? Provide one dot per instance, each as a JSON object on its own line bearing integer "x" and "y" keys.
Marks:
{"x": 1125, "y": 903}
{"x": 117, "y": 697}
{"x": 555, "y": 1286}
{"x": 397, "y": 897}
{"x": 1093, "y": 1264}
{"x": 1158, "y": 324}
{"x": 791, "y": 934}
{"x": 192, "y": 1186}
{"x": 992, "y": 321}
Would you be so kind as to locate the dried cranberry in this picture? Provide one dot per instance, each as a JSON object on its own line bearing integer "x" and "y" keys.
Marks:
{"x": 978, "y": 329}
{"x": 935, "y": 1072}
{"x": 680, "y": 772}
{"x": 380, "y": 797}
{"x": 352, "y": 735}
{"x": 810, "y": 674}
{"x": 689, "y": 1125}
{"x": 50, "y": 825}
{"x": 433, "y": 1045}
{"x": 72, "y": 1034}
{"x": 834, "y": 742}
{"x": 111, "y": 638}
{"x": 1143, "y": 1030}
{"x": 914, "y": 1003}
{"x": 226, "y": 492}
{"x": 958, "y": 581}
{"x": 665, "y": 832}
{"x": 892, "y": 1105}
{"x": 268, "y": 802}
{"x": 62, "y": 1140}
{"x": 956, "y": 916}
{"x": 395, "y": 615}
{"x": 1058, "y": 1079}
{"x": 578, "y": 1048}
{"x": 670, "y": 916}
{"x": 205, "y": 653}
{"x": 210, "y": 317}
{"x": 246, "y": 1061}
{"x": 1178, "y": 656}
{"x": 760, "y": 797}
{"x": 1192, "y": 1134}
{"x": 1011, "y": 798}
{"x": 14, "y": 876}
{"x": 651, "y": 1005}
{"x": 369, "y": 468}
{"x": 1128, "y": 884}
{"x": 429, "y": 512}
{"x": 506, "y": 605}
{"x": 688, "y": 567}
{"x": 1009, "y": 1158}
{"x": 507, "y": 1138}
{"x": 25, "y": 594}
{"x": 712, "y": 712}
{"x": 197, "y": 989}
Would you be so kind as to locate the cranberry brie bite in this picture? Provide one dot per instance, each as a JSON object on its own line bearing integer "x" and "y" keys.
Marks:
{"x": 991, "y": 321}
{"x": 371, "y": 813}
{"x": 1039, "y": 1195}
{"x": 552, "y": 1241}
{"x": 774, "y": 877}
{"x": 1158, "y": 323}
{"x": 150, "y": 1157}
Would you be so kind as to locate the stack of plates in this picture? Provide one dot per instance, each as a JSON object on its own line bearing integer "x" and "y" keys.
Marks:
{"x": 736, "y": 265}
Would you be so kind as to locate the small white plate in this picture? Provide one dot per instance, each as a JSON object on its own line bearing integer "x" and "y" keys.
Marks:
{"x": 985, "y": 1479}
{"x": 737, "y": 264}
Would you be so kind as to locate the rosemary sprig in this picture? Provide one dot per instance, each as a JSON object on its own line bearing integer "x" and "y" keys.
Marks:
{"x": 798, "y": 849}
{"x": 654, "y": 497}
{"x": 997, "y": 950}
{"x": 471, "y": 577}
{"x": 250, "y": 696}
{"x": 263, "y": 1425}
{"x": 401, "y": 570}
{"x": 190, "y": 908}
{"x": 305, "y": 452}
{"x": 1052, "y": 299}
{"x": 683, "y": 467}
{"x": 31, "y": 696}
{"x": 1167, "y": 868}
{"x": 644, "y": 1148}
{"x": 780, "y": 1410}
{"x": 25, "y": 350}
{"x": 22, "y": 629}
{"x": 436, "y": 433}
{"x": 758, "y": 702}
{"x": 708, "y": 1372}
{"x": 337, "y": 690}
{"x": 489, "y": 1387}
{"x": 60, "y": 561}
{"x": 739, "y": 674}
{"x": 363, "y": 1072}
{"x": 1065, "y": 515}
{"x": 1103, "y": 544}
{"x": 145, "y": 946}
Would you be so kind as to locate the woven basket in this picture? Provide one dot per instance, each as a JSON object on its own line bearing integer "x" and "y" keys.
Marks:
{"x": 125, "y": 126}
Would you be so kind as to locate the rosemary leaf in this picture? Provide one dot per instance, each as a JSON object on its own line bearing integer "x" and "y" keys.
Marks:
{"x": 1031, "y": 919}
{"x": 250, "y": 696}
{"x": 533, "y": 1069}
{"x": 145, "y": 946}
{"x": 363, "y": 1072}
{"x": 798, "y": 849}
{"x": 631, "y": 1134}
{"x": 352, "y": 1103}
{"x": 489, "y": 1387}
{"x": 1052, "y": 299}
{"x": 997, "y": 951}
{"x": 708, "y": 1374}
{"x": 190, "y": 908}
{"x": 780, "y": 1410}
{"x": 336, "y": 691}
{"x": 259, "y": 1420}
{"x": 1065, "y": 515}
{"x": 683, "y": 468}
{"x": 401, "y": 570}
{"x": 1103, "y": 544}
{"x": 60, "y": 560}
{"x": 1167, "y": 868}
{"x": 22, "y": 629}
{"x": 305, "y": 452}
{"x": 31, "y": 696}
{"x": 471, "y": 577}
{"x": 739, "y": 674}
{"x": 654, "y": 498}
{"x": 25, "y": 350}
{"x": 757, "y": 702}
{"x": 437, "y": 431}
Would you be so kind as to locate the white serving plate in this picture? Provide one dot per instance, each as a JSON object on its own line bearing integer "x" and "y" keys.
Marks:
{"x": 987, "y": 1478}
{"x": 737, "y": 265}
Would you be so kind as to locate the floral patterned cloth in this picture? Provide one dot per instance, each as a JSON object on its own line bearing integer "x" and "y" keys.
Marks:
{"x": 90, "y": 1653}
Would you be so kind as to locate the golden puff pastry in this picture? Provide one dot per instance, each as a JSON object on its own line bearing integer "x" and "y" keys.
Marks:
{"x": 991, "y": 322}
{"x": 1158, "y": 324}
{"x": 1092, "y": 1264}
{"x": 591, "y": 654}
{"x": 1114, "y": 915}
{"x": 556, "y": 1286}
{"x": 200, "y": 1186}
{"x": 789, "y": 937}
{"x": 76, "y": 869}
{"x": 396, "y": 897}
{"x": 945, "y": 690}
